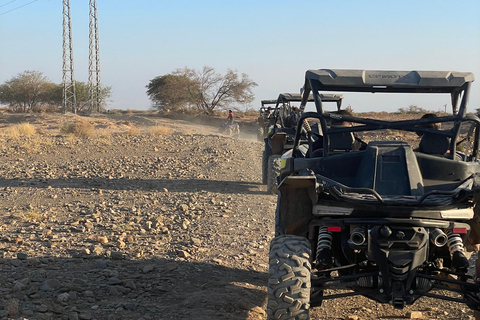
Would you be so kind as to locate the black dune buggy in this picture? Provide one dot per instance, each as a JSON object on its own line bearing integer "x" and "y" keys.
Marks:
{"x": 388, "y": 220}
{"x": 265, "y": 118}
{"x": 281, "y": 134}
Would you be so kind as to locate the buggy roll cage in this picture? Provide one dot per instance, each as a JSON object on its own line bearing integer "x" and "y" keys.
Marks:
{"x": 457, "y": 84}
{"x": 264, "y": 102}
{"x": 284, "y": 100}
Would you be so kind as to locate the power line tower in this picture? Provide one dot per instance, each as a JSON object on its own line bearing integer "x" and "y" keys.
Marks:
{"x": 69, "y": 100}
{"x": 94, "y": 83}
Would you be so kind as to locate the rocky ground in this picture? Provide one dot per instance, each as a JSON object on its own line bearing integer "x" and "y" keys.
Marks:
{"x": 123, "y": 226}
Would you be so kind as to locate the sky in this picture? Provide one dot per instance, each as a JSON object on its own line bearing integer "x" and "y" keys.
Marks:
{"x": 273, "y": 41}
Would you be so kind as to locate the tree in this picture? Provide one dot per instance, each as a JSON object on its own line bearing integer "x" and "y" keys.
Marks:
{"x": 32, "y": 91}
{"x": 205, "y": 89}
{"x": 24, "y": 92}
{"x": 168, "y": 92}
{"x": 412, "y": 109}
{"x": 82, "y": 97}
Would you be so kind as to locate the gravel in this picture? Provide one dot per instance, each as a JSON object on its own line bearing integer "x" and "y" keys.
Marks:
{"x": 146, "y": 227}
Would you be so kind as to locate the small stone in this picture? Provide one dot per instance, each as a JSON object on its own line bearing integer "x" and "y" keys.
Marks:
{"x": 73, "y": 316}
{"x": 130, "y": 284}
{"x": 148, "y": 268}
{"x": 102, "y": 239}
{"x": 32, "y": 290}
{"x": 414, "y": 315}
{"x": 16, "y": 262}
{"x": 78, "y": 228}
{"x": 116, "y": 255}
{"x": 79, "y": 282}
{"x": 183, "y": 254}
{"x": 51, "y": 284}
{"x": 365, "y": 309}
{"x": 22, "y": 256}
{"x": 28, "y": 312}
{"x": 97, "y": 250}
{"x": 85, "y": 316}
{"x": 196, "y": 241}
{"x": 258, "y": 310}
{"x": 245, "y": 304}
{"x": 148, "y": 225}
{"x": 11, "y": 307}
{"x": 113, "y": 291}
{"x": 88, "y": 293}
{"x": 351, "y": 317}
{"x": 55, "y": 308}
{"x": 63, "y": 297}
{"x": 101, "y": 264}
{"x": 114, "y": 281}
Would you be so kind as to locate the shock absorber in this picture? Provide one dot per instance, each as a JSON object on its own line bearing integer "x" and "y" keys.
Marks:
{"x": 457, "y": 251}
{"x": 324, "y": 248}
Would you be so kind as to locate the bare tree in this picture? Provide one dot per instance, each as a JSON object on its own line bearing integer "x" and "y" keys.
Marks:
{"x": 205, "y": 89}
{"x": 171, "y": 92}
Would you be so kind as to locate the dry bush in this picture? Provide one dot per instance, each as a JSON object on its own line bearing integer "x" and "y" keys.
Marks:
{"x": 132, "y": 131}
{"x": 32, "y": 145}
{"x": 104, "y": 138}
{"x": 81, "y": 129}
{"x": 21, "y": 130}
{"x": 71, "y": 140}
{"x": 160, "y": 131}
{"x": 31, "y": 215}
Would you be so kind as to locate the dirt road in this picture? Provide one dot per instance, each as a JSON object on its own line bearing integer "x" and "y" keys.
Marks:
{"x": 121, "y": 226}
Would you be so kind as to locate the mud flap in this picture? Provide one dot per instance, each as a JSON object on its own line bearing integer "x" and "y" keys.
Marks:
{"x": 296, "y": 199}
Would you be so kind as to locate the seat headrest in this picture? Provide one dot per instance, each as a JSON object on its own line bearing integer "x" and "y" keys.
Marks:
{"x": 342, "y": 141}
{"x": 433, "y": 144}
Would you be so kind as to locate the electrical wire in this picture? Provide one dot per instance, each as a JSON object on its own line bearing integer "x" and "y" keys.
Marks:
{"x": 3, "y": 5}
{"x": 26, "y": 4}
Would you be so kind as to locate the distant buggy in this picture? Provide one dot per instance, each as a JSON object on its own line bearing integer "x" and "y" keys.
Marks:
{"x": 281, "y": 133}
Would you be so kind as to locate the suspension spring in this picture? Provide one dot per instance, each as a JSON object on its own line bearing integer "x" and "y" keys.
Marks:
{"x": 324, "y": 240}
{"x": 455, "y": 242}
{"x": 422, "y": 284}
{"x": 366, "y": 282}
{"x": 306, "y": 125}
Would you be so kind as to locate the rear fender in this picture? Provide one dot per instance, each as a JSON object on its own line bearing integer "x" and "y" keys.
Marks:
{"x": 297, "y": 196}
{"x": 278, "y": 141}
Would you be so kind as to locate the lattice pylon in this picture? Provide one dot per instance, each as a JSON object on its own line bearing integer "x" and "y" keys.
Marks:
{"x": 68, "y": 79}
{"x": 94, "y": 83}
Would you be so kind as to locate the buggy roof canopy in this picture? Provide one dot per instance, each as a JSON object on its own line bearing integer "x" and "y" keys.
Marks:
{"x": 264, "y": 102}
{"x": 387, "y": 81}
{"x": 284, "y": 97}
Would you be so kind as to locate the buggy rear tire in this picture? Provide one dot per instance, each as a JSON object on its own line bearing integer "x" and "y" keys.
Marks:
{"x": 289, "y": 278}
{"x": 477, "y": 275}
{"x": 273, "y": 170}
{"x": 264, "y": 167}
{"x": 236, "y": 133}
{"x": 260, "y": 134}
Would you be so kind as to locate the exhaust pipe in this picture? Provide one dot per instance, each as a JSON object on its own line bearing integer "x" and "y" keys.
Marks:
{"x": 357, "y": 237}
{"x": 438, "y": 237}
